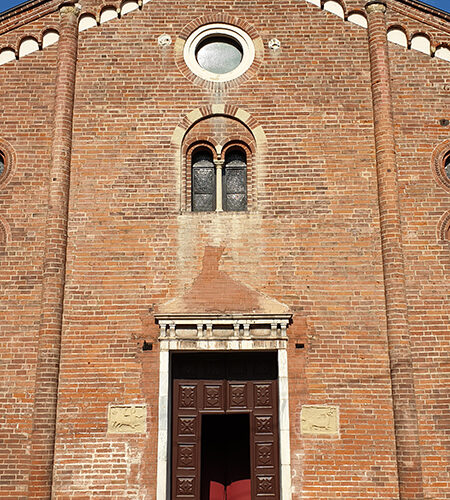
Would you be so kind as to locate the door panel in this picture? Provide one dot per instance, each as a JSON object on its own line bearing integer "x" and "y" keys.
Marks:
{"x": 194, "y": 398}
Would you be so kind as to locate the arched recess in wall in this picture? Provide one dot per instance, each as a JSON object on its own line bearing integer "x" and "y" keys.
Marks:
{"x": 218, "y": 128}
{"x": 421, "y": 43}
{"x": 108, "y": 14}
{"x": 443, "y": 52}
{"x": 50, "y": 37}
{"x": 397, "y": 35}
{"x": 7, "y": 162}
{"x": 5, "y": 232}
{"x": 27, "y": 46}
{"x": 443, "y": 231}
{"x": 440, "y": 164}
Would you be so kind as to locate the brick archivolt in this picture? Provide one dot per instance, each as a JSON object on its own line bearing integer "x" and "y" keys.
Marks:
{"x": 420, "y": 41}
{"x": 443, "y": 232}
{"x": 228, "y": 110}
{"x": 5, "y": 231}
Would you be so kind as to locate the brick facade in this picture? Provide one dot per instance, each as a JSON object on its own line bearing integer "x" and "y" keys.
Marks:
{"x": 347, "y": 229}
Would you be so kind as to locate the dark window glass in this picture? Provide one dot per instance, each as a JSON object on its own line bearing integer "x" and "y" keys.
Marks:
{"x": 2, "y": 163}
{"x": 219, "y": 54}
{"x": 203, "y": 181}
{"x": 235, "y": 181}
{"x": 447, "y": 166}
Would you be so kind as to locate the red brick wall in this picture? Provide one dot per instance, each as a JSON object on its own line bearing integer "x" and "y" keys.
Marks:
{"x": 420, "y": 102}
{"x": 311, "y": 241}
{"x": 26, "y": 96}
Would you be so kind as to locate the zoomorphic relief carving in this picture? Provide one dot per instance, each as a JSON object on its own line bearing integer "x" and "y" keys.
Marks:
{"x": 127, "y": 419}
{"x": 319, "y": 420}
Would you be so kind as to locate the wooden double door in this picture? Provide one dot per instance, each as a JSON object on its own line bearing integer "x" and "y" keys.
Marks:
{"x": 225, "y": 439}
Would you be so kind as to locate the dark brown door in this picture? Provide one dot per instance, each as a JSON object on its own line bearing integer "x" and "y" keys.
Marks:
{"x": 233, "y": 416}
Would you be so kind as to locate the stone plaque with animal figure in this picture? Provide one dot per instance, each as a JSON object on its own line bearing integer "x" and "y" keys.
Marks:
{"x": 127, "y": 419}
{"x": 322, "y": 420}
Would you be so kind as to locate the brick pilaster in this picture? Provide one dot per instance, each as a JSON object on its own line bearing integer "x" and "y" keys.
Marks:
{"x": 47, "y": 371}
{"x": 402, "y": 377}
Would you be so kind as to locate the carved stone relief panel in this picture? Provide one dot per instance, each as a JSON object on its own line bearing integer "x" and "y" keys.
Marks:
{"x": 322, "y": 420}
{"x": 127, "y": 419}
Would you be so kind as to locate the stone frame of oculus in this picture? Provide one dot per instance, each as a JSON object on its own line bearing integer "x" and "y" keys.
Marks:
{"x": 219, "y": 52}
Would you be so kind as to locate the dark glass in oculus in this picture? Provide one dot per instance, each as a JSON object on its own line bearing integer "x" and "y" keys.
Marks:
{"x": 203, "y": 181}
{"x": 447, "y": 166}
{"x": 219, "y": 54}
{"x": 235, "y": 181}
{"x": 2, "y": 163}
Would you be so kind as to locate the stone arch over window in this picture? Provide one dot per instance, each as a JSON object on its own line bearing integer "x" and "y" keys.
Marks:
{"x": 221, "y": 132}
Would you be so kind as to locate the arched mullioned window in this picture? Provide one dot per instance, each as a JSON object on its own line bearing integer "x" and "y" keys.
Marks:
{"x": 219, "y": 184}
{"x": 234, "y": 176}
{"x": 203, "y": 181}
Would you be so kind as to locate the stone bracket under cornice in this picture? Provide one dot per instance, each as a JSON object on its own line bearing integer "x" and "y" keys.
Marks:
{"x": 208, "y": 328}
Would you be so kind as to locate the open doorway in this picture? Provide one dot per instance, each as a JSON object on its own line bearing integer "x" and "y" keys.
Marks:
{"x": 225, "y": 457}
{"x": 225, "y": 431}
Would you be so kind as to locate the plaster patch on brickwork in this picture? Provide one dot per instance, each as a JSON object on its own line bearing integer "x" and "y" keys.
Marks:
{"x": 319, "y": 420}
{"x": 127, "y": 419}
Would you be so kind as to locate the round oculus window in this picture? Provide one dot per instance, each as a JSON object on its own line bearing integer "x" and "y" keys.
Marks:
{"x": 219, "y": 52}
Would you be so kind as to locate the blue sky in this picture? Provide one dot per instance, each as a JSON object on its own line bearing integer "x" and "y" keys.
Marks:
{"x": 441, "y": 4}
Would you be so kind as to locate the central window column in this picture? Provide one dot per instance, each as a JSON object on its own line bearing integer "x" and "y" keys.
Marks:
{"x": 219, "y": 190}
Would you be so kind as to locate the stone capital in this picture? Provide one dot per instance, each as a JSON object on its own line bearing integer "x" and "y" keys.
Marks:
{"x": 375, "y": 6}
{"x": 70, "y": 9}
